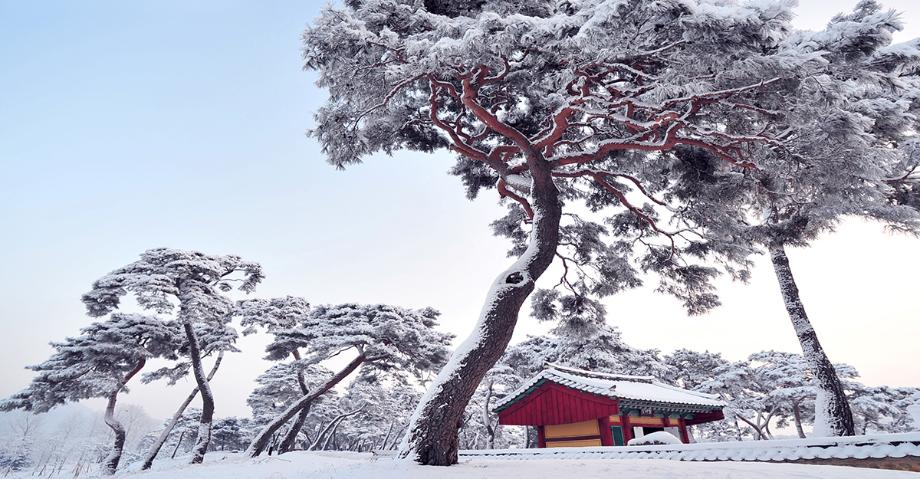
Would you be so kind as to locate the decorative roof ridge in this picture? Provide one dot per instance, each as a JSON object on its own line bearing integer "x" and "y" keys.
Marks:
{"x": 592, "y": 374}
{"x": 690, "y": 391}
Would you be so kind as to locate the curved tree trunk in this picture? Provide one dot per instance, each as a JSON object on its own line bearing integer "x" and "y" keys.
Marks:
{"x": 207, "y": 397}
{"x": 383, "y": 444}
{"x": 832, "y": 410}
{"x": 486, "y": 419}
{"x": 262, "y": 440}
{"x": 178, "y": 444}
{"x": 766, "y": 426}
{"x": 756, "y": 427}
{"x": 330, "y": 429}
{"x": 797, "y": 416}
{"x": 111, "y": 462}
{"x": 433, "y": 432}
{"x": 164, "y": 435}
{"x": 291, "y": 438}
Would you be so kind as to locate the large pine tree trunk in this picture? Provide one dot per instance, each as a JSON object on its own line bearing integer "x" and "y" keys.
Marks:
{"x": 432, "y": 438}
{"x": 114, "y": 457}
{"x": 164, "y": 435}
{"x": 832, "y": 410}
{"x": 207, "y": 397}
{"x": 291, "y": 438}
{"x": 264, "y": 438}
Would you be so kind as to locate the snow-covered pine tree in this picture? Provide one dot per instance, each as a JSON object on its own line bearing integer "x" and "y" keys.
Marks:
{"x": 768, "y": 388}
{"x": 691, "y": 368}
{"x": 98, "y": 363}
{"x": 381, "y": 410}
{"x": 791, "y": 383}
{"x": 840, "y": 148}
{"x": 273, "y": 315}
{"x": 213, "y": 338}
{"x": 582, "y": 338}
{"x": 480, "y": 429}
{"x": 748, "y": 397}
{"x": 386, "y": 339}
{"x": 280, "y": 386}
{"x": 182, "y": 433}
{"x": 14, "y": 457}
{"x": 883, "y": 408}
{"x": 905, "y": 181}
{"x": 908, "y": 405}
{"x": 702, "y": 371}
{"x": 229, "y": 434}
{"x": 164, "y": 278}
{"x": 588, "y": 102}
{"x": 900, "y": 88}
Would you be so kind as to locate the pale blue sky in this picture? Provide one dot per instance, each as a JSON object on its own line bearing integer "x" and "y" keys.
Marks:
{"x": 131, "y": 125}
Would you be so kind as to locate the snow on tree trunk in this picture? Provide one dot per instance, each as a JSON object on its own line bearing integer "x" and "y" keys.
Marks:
{"x": 432, "y": 438}
{"x": 164, "y": 435}
{"x": 291, "y": 438}
{"x": 832, "y": 410}
{"x": 265, "y": 436}
{"x": 114, "y": 457}
{"x": 207, "y": 397}
{"x": 486, "y": 420}
{"x": 797, "y": 416}
{"x": 111, "y": 461}
{"x": 329, "y": 431}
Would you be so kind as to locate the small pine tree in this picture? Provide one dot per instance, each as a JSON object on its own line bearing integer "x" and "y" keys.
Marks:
{"x": 98, "y": 363}
{"x": 163, "y": 278}
{"x": 387, "y": 340}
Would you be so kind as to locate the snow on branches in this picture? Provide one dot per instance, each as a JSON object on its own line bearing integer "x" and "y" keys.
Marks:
{"x": 603, "y": 99}
{"x": 389, "y": 342}
{"x": 390, "y": 338}
{"x": 97, "y": 362}
{"x": 165, "y": 278}
{"x": 622, "y": 110}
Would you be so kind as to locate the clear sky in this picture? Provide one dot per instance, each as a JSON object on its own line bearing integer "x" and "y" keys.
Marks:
{"x": 131, "y": 125}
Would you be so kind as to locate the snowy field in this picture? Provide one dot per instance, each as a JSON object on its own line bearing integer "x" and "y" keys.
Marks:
{"x": 330, "y": 465}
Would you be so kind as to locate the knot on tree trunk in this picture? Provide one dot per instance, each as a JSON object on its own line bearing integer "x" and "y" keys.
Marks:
{"x": 515, "y": 278}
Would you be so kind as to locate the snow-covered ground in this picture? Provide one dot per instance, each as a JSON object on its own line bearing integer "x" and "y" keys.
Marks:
{"x": 329, "y": 465}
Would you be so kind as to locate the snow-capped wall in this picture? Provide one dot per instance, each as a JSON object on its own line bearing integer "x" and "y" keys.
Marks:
{"x": 854, "y": 447}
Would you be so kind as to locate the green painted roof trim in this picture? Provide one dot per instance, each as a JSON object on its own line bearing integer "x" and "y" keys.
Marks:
{"x": 520, "y": 396}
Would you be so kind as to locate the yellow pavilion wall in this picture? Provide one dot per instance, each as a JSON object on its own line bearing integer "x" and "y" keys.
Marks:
{"x": 561, "y": 435}
{"x": 564, "y": 435}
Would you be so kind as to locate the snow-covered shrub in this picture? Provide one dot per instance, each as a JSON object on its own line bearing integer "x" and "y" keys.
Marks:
{"x": 15, "y": 457}
{"x": 658, "y": 438}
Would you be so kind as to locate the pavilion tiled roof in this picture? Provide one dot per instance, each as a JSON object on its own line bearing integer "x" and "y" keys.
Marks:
{"x": 643, "y": 389}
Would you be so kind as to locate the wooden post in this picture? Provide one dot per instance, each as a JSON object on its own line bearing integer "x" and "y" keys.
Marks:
{"x": 603, "y": 424}
{"x": 541, "y": 437}
{"x": 627, "y": 428}
{"x": 682, "y": 427}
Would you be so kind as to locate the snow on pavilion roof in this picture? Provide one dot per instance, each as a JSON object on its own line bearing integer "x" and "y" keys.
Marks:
{"x": 615, "y": 386}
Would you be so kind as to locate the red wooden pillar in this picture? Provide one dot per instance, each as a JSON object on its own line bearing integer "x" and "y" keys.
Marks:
{"x": 541, "y": 437}
{"x": 627, "y": 428}
{"x": 603, "y": 424}
{"x": 682, "y": 427}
